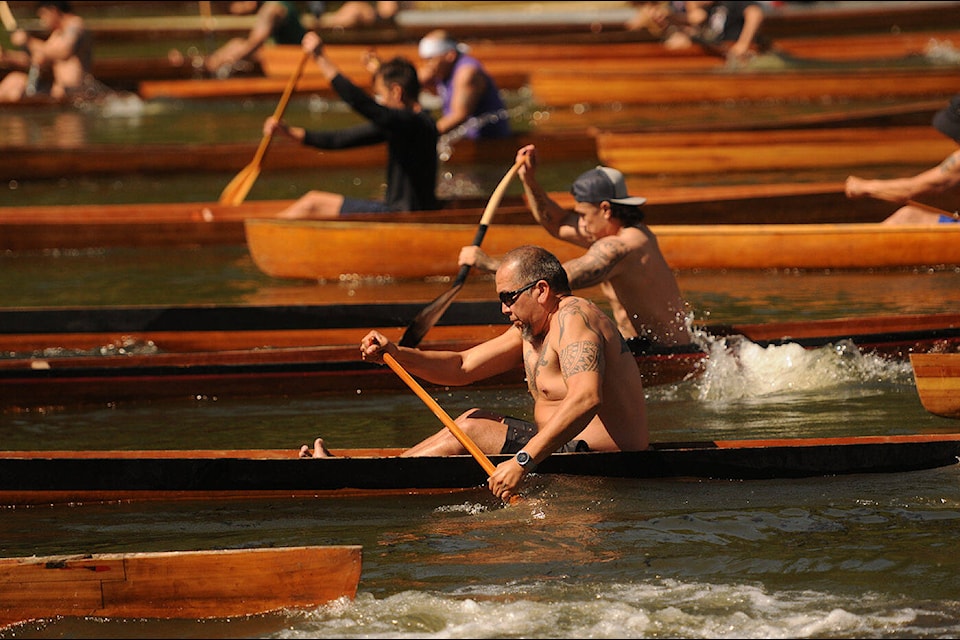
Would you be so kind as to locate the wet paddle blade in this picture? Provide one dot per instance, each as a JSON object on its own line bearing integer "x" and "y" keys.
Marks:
{"x": 432, "y": 312}
{"x": 238, "y": 188}
{"x": 428, "y": 317}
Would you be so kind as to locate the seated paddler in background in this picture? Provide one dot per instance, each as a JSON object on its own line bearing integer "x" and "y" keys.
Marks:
{"x": 939, "y": 179}
{"x": 584, "y": 381}
{"x": 622, "y": 254}
{"x": 395, "y": 118}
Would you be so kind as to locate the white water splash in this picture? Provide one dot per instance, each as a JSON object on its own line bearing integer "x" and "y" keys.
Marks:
{"x": 668, "y": 609}
{"x": 738, "y": 368}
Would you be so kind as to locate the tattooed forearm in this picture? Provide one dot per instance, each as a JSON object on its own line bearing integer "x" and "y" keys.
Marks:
{"x": 595, "y": 266}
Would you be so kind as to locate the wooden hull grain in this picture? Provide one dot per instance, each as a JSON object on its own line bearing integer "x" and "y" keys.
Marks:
{"x": 49, "y": 477}
{"x": 772, "y": 150}
{"x": 33, "y": 162}
{"x": 328, "y": 250}
{"x": 587, "y": 86}
{"x": 76, "y": 356}
{"x": 937, "y": 376}
{"x": 223, "y": 583}
{"x": 210, "y": 223}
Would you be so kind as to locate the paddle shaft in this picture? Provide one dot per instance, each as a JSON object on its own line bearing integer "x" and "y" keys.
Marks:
{"x": 495, "y": 198}
{"x": 932, "y": 209}
{"x": 6, "y": 16}
{"x": 282, "y": 105}
{"x": 10, "y": 24}
{"x": 429, "y": 315}
{"x": 238, "y": 188}
{"x": 438, "y": 411}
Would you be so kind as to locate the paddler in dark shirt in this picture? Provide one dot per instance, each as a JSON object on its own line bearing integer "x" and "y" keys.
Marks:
{"x": 395, "y": 117}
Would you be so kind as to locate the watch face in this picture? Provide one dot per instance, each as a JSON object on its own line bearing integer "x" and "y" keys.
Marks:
{"x": 523, "y": 458}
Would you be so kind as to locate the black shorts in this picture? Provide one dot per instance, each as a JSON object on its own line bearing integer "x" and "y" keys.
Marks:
{"x": 519, "y": 433}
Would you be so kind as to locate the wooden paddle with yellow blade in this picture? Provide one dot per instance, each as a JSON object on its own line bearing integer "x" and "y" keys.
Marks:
{"x": 236, "y": 192}
{"x": 429, "y": 315}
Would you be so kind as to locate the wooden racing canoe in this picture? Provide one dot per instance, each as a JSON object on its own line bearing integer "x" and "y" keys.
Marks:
{"x": 36, "y": 162}
{"x": 328, "y": 250}
{"x": 221, "y": 583}
{"x": 45, "y": 477}
{"x": 937, "y": 376}
{"x": 210, "y": 223}
{"x": 73, "y": 356}
{"x": 718, "y": 152}
{"x": 587, "y": 86}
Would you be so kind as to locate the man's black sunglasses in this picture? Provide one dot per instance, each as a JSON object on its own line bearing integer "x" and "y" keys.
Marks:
{"x": 508, "y": 298}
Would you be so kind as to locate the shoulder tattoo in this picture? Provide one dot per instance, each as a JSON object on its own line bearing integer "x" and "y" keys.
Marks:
{"x": 583, "y": 355}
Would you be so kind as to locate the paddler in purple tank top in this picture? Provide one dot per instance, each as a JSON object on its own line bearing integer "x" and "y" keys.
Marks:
{"x": 472, "y": 105}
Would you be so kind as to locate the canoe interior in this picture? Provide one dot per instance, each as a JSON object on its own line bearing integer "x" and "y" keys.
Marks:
{"x": 225, "y": 583}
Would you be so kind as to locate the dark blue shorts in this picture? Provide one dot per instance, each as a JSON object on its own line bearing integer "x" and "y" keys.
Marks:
{"x": 357, "y": 205}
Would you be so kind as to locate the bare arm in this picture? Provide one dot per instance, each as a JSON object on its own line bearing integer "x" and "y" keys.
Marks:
{"x": 545, "y": 210}
{"x": 596, "y": 265}
{"x": 752, "y": 19}
{"x": 455, "y": 368}
{"x": 468, "y": 85}
{"x": 900, "y": 190}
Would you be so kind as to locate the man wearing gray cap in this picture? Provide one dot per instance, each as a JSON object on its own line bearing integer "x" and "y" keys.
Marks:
{"x": 937, "y": 180}
{"x": 622, "y": 257}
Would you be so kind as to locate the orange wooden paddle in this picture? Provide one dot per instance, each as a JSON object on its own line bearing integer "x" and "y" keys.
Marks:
{"x": 235, "y": 192}
{"x": 438, "y": 411}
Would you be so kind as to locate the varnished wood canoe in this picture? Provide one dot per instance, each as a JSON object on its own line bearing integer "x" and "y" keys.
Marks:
{"x": 75, "y": 356}
{"x": 498, "y": 57}
{"x": 221, "y": 583}
{"x": 772, "y": 150}
{"x": 254, "y": 86}
{"x": 42, "y": 477}
{"x": 575, "y": 86}
{"x": 937, "y": 376}
{"x": 209, "y": 223}
{"x": 328, "y": 250}
{"x": 522, "y": 21}
{"x": 32, "y": 162}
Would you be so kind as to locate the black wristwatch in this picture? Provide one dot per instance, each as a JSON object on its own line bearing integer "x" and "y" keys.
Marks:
{"x": 525, "y": 461}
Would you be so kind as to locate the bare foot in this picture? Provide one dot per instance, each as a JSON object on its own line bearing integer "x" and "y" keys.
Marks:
{"x": 319, "y": 450}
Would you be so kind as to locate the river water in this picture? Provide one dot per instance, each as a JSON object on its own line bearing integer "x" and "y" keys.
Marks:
{"x": 854, "y": 556}
{"x": 838, "y": 557}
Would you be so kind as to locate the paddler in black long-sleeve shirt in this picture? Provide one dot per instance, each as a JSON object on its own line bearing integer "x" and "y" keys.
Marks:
{"x": 395, "y": 117}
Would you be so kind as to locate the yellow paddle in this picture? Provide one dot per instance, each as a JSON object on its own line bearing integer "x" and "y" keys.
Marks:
{"x": 932, "y": 209}
{"x": 240, "y": 186}
{"x": 438, "y": 411}
{"x": 445, "y": 418}
{"x": 432, "y": 312}
{"x": 6, "y": 16}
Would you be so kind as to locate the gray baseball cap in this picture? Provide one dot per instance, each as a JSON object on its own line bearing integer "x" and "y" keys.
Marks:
{"x": 604, "y": 183}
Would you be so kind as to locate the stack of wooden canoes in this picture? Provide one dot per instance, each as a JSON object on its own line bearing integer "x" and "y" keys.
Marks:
{"x": 223, "y": 583}
{"x": 516, "y": 65}
{"x": 937, "y": 376}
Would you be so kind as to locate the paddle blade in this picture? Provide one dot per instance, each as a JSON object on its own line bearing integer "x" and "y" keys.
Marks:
{"x": 428, "y": 317}
{"x": 236, "y": 192}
